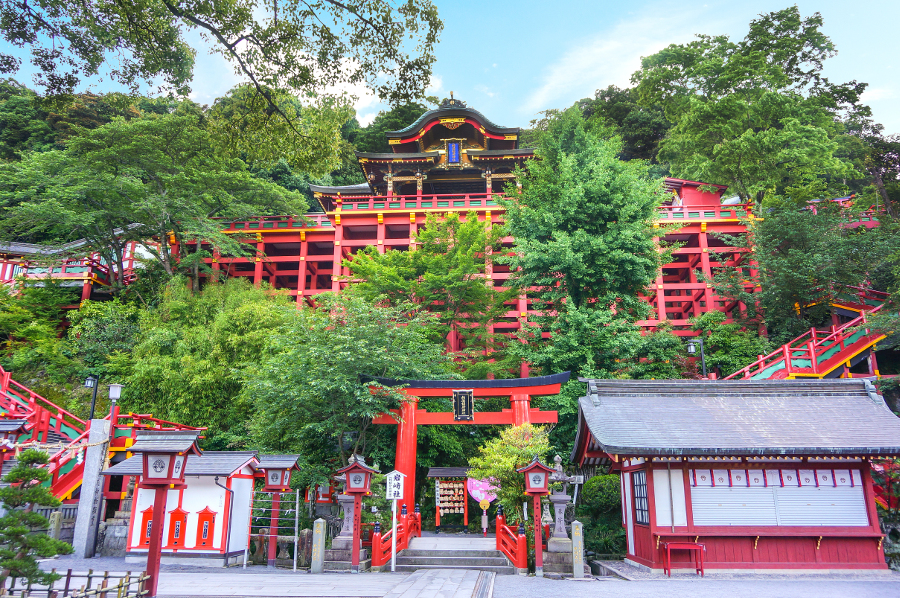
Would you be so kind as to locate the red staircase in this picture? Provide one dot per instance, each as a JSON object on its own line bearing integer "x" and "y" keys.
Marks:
{"x": 50, "y": 424}
{"x": 820, "y": 353}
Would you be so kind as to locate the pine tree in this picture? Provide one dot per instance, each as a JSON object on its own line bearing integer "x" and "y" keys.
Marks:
{"x": 19, "y": 542}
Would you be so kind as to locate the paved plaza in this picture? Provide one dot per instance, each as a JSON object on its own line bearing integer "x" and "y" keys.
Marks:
{"x": 260, "y": 582}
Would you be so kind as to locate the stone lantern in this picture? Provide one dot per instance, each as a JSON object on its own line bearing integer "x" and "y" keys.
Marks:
{"x": 537, "y": 484}
{"x": 276, "y": 470}
{"x": 358, "y": 480}
{"x": 164, "y": 456}
{"x": 559, "y": 540}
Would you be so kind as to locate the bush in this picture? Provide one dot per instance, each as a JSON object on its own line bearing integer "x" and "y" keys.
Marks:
{"x": 602, "y": 496}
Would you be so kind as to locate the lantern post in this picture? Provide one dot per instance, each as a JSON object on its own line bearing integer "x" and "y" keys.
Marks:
{"x": 537, "y": 484}
{"x": 277, "y": 471}
{"x": 359, "y": 480}
{"x": 164, "y": 456}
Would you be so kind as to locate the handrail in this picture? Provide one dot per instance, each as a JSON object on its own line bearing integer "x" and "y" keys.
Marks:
{"x": 408, "y": 526}
{"x": 511, "y": 541}
{"x": 34, "y": 400}
{"x": 810, "y": 347}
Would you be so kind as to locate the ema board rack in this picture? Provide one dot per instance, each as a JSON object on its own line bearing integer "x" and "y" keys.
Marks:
{"x": 450, "y": 497}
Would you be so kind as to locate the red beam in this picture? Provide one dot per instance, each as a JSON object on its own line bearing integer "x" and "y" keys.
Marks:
{"x": 482, "y": 418}
{"x": 535, "y": 391}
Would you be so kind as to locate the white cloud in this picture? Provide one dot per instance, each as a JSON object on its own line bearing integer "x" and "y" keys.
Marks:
{"x": 612, "y": 55}
{"x": 435, "y": 85}
{"x": 873, "y": 94}
{"x": 485, "y": 90}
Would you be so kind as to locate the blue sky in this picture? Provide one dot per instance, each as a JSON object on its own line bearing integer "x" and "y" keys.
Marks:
{"x": 512, "y": 59}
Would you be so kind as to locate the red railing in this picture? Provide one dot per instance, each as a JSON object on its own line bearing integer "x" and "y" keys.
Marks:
{"x": 276, "y": 223}
{"x": 511, "y": 541}
{"x": 408, "y": 526}
{"x": 823, "y": 353}
{"x": 17, "y": 400}
{"x": 688, "y": 213}
{"x": 444, "y": 201}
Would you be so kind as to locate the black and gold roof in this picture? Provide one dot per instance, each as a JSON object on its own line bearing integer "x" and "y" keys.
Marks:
{"x": 452, "y": 149}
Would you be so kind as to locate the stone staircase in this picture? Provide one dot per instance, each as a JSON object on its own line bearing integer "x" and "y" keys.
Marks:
{"x": 454, "y": 552}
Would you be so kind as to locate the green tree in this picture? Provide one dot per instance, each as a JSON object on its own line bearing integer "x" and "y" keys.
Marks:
{"x": 584, "y": 247}
{"x": 756, "y": 115}
{"x": 146, "y": 180}
{"x": 23, "y": 125}
{"x": 101, "y": 329}
{"x": 309, "y": 49}
{"x": 806, "y": 258}
{"x": 372, "y": 138}
{"x": 728, "y": 347}
{"x": 31, "y": 318}
{"x": 192, "y": 354}
{"x": 446, "y": 274}
{"x": 641, "y": 128}
{"x": 309, "y": 391}
{"x": 20, "y": 543}
{"x": 499, "y": 458}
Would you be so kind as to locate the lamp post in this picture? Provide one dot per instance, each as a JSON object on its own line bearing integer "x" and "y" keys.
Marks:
{"x": 359, "y": 479}
{"x": 92, "y": 382}
{"x": 277, "y": 470}
{"x": 164, "y": 456}
{"x": 537, "y": 484}
{"x": 115, "y": 391}
{"x": 692, "y": 350}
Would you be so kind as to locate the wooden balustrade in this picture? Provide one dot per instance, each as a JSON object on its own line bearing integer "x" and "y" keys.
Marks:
{"x": 511, "y": 541}
{"x": 409, "y": 525}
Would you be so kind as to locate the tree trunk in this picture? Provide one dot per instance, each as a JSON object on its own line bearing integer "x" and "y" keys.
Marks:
{"x": 879, "y": 185}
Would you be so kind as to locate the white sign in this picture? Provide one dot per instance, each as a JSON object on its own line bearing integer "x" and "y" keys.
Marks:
{"x": 394, "y": 485}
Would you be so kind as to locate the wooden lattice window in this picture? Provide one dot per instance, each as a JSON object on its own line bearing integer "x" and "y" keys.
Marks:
{"x": 641, "y": 506}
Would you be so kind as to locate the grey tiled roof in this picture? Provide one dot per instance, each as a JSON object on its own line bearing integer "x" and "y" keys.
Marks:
{"x": 398, "y": 156}
{"x": 12, "y": 425}
{"x": 447, "y": 472}
{"x": 359, "y": 189}
{"x": 766, "y": 417}
{"x": 221, "y": 463}
{"x": 174, "y": 440}
{"x": 277, "y": 461}
{"x": 447, "y": 112}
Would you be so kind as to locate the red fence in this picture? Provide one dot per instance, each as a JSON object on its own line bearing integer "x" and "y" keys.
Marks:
{"x": 408, "y": 527}
{"x": 511, "y": 541}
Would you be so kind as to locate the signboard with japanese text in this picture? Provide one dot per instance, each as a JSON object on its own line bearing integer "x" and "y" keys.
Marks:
{"x": 393, "y": 483}
{"x": 464, "y": 405}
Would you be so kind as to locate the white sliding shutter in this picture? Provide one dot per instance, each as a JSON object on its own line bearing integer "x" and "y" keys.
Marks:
{"x": 733, "y": 506}
{"x": 822, "y": 506}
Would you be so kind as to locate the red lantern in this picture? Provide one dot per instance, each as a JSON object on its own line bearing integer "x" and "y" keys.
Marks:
{"x": 165, "y": 455}
{"x": 359, "y": 477}
{"x": 537, "y": 477}
{"x": 277, "y": 470}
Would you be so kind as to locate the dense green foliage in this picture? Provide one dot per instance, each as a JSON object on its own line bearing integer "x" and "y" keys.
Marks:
{"x": 499, "y": 458}
{"x": 446, "y": 274}
{"x": 20, "y": 542}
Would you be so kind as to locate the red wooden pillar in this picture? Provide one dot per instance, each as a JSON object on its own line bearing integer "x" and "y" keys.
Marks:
{"x": 258, "y": 268}
{"x": 154, "y": 554}
{"x": 301, "y": 268}
{"x": 357, "y": 523}
{"x": 521, "y": 408}
{"x": 538, "y": 546}
{"x": 407, "y": 438}
{"x": 380, "y": 234}
{"x": 337, "y": 258}
{"x": 273, "y": 529}
{"x": 86, "y": 289}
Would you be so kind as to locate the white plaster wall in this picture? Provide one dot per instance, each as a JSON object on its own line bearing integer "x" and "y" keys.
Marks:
{"x": 662, "y": 496}
{"x": 240, "y": 522}
{"x": 629, "y": 523}
{"x": 142, "y": 501}
{"x": 202, "y": 493}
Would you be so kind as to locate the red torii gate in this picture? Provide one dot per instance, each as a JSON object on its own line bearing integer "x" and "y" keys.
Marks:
{"x": 519, "y": 390}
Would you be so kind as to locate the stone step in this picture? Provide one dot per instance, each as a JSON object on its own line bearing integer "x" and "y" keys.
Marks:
{"x": 492, "y": 569}
{"x": 416, "y": 552}
{"x": 345, "y": 565}
{"x": 452, "y": 560}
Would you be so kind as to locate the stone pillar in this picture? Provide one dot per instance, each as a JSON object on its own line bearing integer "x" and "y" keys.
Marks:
{"x": 91, "y": 499}
{"x": 317, "y": 563}
{"x": 344, "y": 540}
{"x": 55, "y": 525}
{"x": 577, "y": 550}
{"x": 559, "y": 539}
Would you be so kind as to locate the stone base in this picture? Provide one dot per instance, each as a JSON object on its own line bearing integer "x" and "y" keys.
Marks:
{"x": 333, "y": 554}
{"x": 559, "y": 545}
{"x": 342, "y": 543}
{"x": 194, "y": 559}
{"x": 560, "y": 564}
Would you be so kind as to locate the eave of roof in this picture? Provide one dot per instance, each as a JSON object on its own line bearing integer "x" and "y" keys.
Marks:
{"x": 517, "y": 153}
{"x": 359, "y": 189}
{"x": 210, "y": 463}
{"x": 449, "y": 113}
{"x": 399, "y": 157}
{"x": 745, "y": 418}
{"x": 502, "y": 383}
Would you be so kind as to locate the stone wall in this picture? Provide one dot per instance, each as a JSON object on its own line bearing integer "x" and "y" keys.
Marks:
{"x": 892, "y": 543}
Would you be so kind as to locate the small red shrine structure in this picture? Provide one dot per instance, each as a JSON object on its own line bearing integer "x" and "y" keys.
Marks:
{"x": 409, "y": 416}
{"x": 757, "y": 475}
